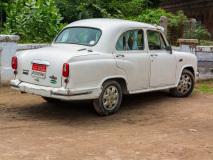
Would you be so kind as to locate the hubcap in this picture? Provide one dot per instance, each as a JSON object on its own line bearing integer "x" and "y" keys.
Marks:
{"x": 110, "y": 98}
{"x": 185, "y": 84}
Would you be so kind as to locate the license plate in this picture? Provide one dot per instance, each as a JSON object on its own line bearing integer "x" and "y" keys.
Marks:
{"x": 38, "y": 74}
{"x": 38, "y": 70}
{"x": 39, "y": 67}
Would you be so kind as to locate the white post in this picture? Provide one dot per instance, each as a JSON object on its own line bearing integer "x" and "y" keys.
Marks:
{"x": 8, "y": 48}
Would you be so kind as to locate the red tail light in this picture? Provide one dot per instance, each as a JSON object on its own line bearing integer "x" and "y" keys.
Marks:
{"x": 65, "y": 70}
{"x": 14, "y": 62}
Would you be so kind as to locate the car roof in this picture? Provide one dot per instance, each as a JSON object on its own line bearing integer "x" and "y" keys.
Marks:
{"x": 111, "y": 29}
{"x": 106, "y": 23}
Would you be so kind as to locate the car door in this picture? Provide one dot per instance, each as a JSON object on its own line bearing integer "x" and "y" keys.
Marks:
{"x": 132, "y": 56}
{"x": 163, "y": 62}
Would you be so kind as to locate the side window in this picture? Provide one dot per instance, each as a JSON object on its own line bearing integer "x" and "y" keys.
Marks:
{"x": 155, "y": 41}
{"x": 131, "y": 40}
{"x": 121, "y": 43}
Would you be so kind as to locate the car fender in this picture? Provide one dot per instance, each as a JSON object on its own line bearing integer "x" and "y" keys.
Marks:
{"x": 180, "y": 72}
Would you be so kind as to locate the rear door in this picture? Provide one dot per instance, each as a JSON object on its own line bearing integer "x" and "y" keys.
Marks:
{"x": 132, "y": 56}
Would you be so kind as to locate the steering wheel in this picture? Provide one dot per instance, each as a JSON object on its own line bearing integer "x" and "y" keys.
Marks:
{"x": 152, "y": 45}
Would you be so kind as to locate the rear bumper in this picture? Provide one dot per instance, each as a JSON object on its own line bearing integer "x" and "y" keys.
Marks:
{"x": 59, "y": 93}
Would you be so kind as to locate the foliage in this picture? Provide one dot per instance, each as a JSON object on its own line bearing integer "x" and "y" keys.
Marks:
{"x": 206, "y": 43}
{"x": 176, "y": 25}
{"x": 200, "y": 33}
{"x": 151, "y": 16}
{"x": 33, "y": 21}
{"x": 175, "y": 20}
{"x": 40, "y": 20}
{"x": 2, "y": 5}
{"x": 73, "y": 10}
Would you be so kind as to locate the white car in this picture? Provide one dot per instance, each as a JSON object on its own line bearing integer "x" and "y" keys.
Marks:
{"x": 102, "y": 59}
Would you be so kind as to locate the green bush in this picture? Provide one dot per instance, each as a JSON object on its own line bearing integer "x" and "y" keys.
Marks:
{"x": 151, "y": 16}
{"x": 175, "y": 23}
{"x": 73, "y": 10}
{"x": 33, "y": 20}
{"x": 200, "y": 33}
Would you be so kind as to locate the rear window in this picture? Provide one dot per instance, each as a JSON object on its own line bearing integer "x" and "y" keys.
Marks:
{"x": 79, "y": 35}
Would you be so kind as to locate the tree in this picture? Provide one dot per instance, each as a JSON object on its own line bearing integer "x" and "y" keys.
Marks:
{"x": 34, "y": 21}
{"x": 2, "y": 13}
{"x": 73, "y": 10}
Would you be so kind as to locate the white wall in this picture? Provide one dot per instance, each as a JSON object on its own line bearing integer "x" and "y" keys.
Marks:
{"x": 8, "y": 49}
{"x": 7, "y": 52}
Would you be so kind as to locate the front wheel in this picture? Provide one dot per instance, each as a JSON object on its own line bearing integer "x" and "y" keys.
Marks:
{"x": 185, "y": 85}
{"x": 110, "y": 99}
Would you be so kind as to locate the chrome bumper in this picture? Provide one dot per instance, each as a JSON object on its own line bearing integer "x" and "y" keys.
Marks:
{"x": 59, "y": 93}
{"x": 196, "y": 76}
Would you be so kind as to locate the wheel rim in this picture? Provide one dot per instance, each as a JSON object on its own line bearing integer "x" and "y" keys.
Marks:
{"x": 110, "y": 98}
{"x": 185, "y": 84}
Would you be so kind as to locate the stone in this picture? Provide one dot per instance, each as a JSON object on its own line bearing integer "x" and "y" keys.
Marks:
{"x": 192, "y": 130}
{"x": 164, "y": 24}
{"x": 187, "y": 41}
{"x": 9, "y": 38}
{"x": 192, "y": 23}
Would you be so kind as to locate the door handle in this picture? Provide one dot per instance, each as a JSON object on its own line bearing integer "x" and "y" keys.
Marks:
{"x": 154, "y": 55}
{"x": 119, "y": 55}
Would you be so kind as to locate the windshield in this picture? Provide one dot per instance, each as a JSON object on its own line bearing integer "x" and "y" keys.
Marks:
{"x": 77, "y": 35}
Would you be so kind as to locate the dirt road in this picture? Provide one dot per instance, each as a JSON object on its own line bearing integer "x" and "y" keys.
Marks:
{"x": 151, "y": 126}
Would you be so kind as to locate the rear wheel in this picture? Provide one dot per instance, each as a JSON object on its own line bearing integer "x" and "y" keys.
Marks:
{"x": 51, "y": 100}
{"x": 185, "y": 85}
{"x": 110, "y": 99}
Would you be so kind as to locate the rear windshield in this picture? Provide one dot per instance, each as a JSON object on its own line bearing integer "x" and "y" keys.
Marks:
{"x": 79, "y": 35}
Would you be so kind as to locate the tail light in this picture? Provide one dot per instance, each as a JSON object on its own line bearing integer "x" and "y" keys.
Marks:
{"x": 65, "y": 71}
{"x": 14, "y": 62}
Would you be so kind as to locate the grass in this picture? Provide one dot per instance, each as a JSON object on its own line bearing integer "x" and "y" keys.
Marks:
{"x": 206, "y": 43}
{"x": 204, "y": 87}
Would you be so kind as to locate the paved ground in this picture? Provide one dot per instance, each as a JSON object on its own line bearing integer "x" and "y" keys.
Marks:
{"x": 151, "y": 126}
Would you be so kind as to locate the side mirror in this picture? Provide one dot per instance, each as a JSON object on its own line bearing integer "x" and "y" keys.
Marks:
{"x": 169, "y": 48}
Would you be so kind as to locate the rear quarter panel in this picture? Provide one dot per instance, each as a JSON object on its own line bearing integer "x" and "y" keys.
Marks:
{"x": 90, "y": 71}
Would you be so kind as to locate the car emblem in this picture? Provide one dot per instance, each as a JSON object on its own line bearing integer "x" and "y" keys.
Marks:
{"x": 53, "y": 77}
{"x": 53, "y": 81}
{"x": 25, "y": 71}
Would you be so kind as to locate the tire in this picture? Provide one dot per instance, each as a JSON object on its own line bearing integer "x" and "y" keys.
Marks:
{"x": 51, "y": 100}
{"x": 110, "y": 99}
{"x": 185, "y": 85}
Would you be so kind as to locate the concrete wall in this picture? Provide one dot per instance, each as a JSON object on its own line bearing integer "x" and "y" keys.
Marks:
{"x": 30, "y": 46}
{"x": 8, "y": 49}
{"x": 205, "y": 59}
{"x": 205, "y": 62}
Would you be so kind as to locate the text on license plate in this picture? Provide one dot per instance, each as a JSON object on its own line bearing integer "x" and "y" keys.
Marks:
{"x": 39, "y": 67}
{"x": 38, "y": 74}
